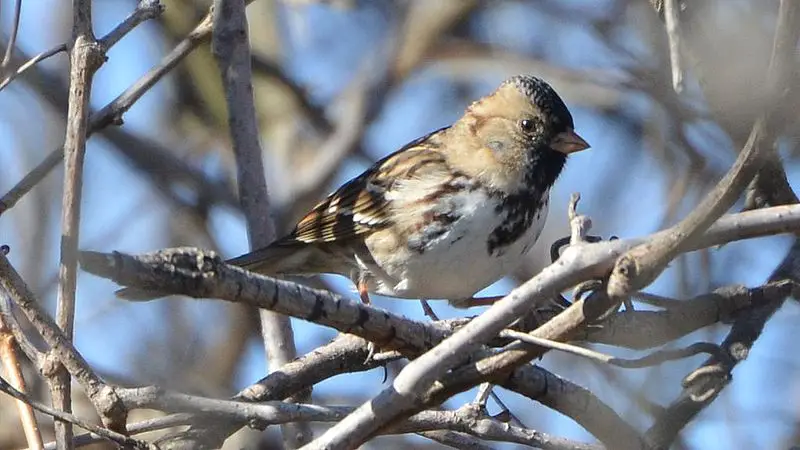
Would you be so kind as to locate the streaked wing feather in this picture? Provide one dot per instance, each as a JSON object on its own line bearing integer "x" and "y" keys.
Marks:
{"x": 360, "y": 205}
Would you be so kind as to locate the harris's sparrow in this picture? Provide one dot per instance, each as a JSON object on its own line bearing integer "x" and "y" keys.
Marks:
{"x": 446, "y": 215}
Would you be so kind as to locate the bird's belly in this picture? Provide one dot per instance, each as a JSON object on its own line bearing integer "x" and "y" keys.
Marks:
{"x": 457, "y": 264}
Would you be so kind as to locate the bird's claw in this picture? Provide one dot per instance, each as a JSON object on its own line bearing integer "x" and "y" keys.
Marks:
{"x": 587, "y": 287}
{"x": 559, "y": 244}
{"x": 371, "y": 347}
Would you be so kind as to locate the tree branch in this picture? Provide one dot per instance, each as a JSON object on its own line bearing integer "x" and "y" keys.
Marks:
{"x": 642, "y": 265}
{"x": 112, "y": 113}
{"x": 107, "y": 404}
{"x": 104, "y": 433}
{"x": 205, "y": 275}
{"x": 86, "y": 56}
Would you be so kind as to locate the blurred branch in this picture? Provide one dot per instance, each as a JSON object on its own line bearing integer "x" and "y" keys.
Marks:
{"x": 315, "y": 115}
{"x": 32, "y": 62}
{"x": 600, "y": 89}
{"x": 673, "y": 25}
{"x": 231, "y": 49}
{"x": 424, "y": 25}
{"x": 338, "y": 145}
{"x": 770, "y": 185}
{"x": 706, "y": 383}
{"x": 112, "y": 113}
{"x": 640, "y": 266}
{"x": 145, "y": 10}
{"x": 647, "y": 329}
{"x": 9, "y": 361}
{"x": 12, "y": 40}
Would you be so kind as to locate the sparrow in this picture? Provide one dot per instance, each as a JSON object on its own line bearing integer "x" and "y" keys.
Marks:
{"x": 446, "y": 215}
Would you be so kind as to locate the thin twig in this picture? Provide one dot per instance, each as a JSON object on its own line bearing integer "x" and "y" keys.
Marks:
{"x": 9, "y": 361}
{"x": 112, "y": 113}
{"x": 102, "y": 396}
{"x": 145, "y": 10}
{"x": 145, "y": 426}
{"x": 652, "y": 359}
{"x": 33, "y": 354}
{"x": 62, "y": 416}
{"x": 673, "y": 25}
{"x": 32, "y": 62}
{"x": 12, "y": 40}
{"x": 659, "y": 301}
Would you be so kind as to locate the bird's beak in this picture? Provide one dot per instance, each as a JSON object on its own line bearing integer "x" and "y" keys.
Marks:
{"x": 569, "y": 142}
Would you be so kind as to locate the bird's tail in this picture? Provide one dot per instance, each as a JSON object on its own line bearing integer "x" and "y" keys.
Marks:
{"x": 270, "y": 260}
{"x": 276, "y": 259}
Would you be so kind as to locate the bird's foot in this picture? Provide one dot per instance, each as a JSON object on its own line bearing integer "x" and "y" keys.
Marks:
{"x": 371, "y": 350}
{"x": 362, "y": 292}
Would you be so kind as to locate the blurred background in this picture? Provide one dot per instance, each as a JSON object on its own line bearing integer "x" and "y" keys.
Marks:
{"x": 340, "y": 84}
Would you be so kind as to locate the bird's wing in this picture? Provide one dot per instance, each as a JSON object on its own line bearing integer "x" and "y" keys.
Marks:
{"x": 361, "y": 205}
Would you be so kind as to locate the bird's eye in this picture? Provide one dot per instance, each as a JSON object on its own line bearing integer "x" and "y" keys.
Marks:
{"x": 527, "y": 125}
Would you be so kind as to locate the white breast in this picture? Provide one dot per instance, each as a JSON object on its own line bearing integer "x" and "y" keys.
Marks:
{"x": 455, "y": 263}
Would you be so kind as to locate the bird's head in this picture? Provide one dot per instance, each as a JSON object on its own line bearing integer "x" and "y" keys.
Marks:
{"x": 522, "y": 133}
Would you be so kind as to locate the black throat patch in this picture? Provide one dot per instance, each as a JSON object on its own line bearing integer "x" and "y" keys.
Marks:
{"x": 521, "y": 208}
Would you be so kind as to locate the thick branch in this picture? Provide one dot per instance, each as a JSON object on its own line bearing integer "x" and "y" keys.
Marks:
{"x": 205, "y": 275}
{"x": 578, "y": 263}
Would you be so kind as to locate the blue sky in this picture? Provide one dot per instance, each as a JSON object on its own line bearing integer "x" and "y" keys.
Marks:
{"x": 322, "y": 46}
